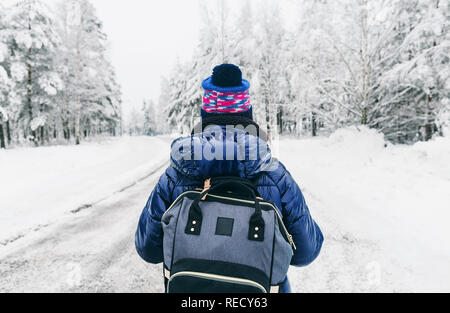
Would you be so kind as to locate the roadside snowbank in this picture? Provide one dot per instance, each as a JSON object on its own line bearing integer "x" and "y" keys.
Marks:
{"x": 39, "y": 185}
{"x": 384, "y": 210}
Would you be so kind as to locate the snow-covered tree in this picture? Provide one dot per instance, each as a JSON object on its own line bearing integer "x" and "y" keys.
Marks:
{"x": 56, "y": 81}
{"x": 185, "y": 92}
{"x": 161, "y": 113}
{"x": 90, "y": 102}
{"x": 372, "y": 53}
{"x": 414, "y": 89}
{"x": 150, "y": 127}
{"x": 33, "y": 42}
{"x": 180, "y": 112}
{"x": 135, "y": 123}
{"x": 268, "y": 63}
{"x": 380, "y": 63}
{"x": 4, "y": 79}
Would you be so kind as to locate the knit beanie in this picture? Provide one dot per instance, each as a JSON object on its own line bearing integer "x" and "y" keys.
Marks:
{"x": 226, "y": 92}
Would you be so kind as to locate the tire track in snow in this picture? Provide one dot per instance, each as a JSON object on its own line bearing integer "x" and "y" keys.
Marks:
{"x": 92, "y": 252}
{"x": 81, "y": 208}
{"x": 90, "y": 205}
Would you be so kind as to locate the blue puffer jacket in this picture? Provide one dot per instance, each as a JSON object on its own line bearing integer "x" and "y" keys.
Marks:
{"x": 197, "y": 160}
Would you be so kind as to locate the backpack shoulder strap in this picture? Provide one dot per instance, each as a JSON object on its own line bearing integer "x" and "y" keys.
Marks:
{"x": 231, "y": 181}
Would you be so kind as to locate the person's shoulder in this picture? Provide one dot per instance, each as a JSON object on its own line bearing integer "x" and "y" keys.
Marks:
{"x": 171, "y": 176}
{"x": 176, "y": 178}
{"x": 274, "y": 174}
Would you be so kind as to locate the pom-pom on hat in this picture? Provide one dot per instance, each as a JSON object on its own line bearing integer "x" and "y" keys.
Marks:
{"x": 226, "y": 92}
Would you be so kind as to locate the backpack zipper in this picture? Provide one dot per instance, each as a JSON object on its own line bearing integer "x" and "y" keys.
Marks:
{"x": 280, "y": 219}
{"x": 221, "y": 278}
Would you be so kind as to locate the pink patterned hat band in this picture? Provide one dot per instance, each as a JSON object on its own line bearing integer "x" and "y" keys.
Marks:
{"x": 226, "y": 102}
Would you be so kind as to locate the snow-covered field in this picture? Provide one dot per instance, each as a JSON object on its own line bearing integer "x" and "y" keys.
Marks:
{"x": 39, "y": 186}
{"x": 383, "y": 209}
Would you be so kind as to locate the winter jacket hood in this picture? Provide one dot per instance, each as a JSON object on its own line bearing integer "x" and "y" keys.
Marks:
{"x": 222, "y": 151}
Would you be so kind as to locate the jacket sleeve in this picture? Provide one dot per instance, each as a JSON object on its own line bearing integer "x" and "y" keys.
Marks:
{"x": 306, "y": 233}
{"x": 149, "y": 235}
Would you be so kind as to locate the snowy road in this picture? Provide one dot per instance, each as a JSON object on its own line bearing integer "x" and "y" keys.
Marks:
{"x": 94, "y": 252}
{"x": 383, "y": 210}
{"x": 91, "y": 252}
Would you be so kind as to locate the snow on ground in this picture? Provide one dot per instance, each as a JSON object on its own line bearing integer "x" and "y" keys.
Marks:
{"x": 41, "y": 185}
{"x": 384, "y": 211}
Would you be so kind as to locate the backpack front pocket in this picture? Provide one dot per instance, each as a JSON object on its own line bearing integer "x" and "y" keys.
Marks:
{"x": 204, "y": 276}
{"x": 194, "y": 282}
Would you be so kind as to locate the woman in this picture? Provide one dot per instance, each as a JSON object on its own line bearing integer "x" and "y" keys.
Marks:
{"x": 227, "y": 108}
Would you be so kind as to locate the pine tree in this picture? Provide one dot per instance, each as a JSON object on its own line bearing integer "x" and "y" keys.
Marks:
{"x": 91, "y": 100}
{"x": 33, "y": 43}
{"x": 55, "y": 78}
{"x": 185, "y": 82}
{"x": 412, "y": 87}
{"x": 4, "y": 80}
{"x": 268, "y": 63}
{"x": 150, "y": 119}
{"x": 380, "y": 63}
{"x": 177, "y": 109}
{"x": 161, "y": 113}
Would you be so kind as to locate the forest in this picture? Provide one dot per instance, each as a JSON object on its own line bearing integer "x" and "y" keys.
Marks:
{"x": 379, "y": 63}
{"x": 56, "y": 82}
{"x": 315, "y": 66}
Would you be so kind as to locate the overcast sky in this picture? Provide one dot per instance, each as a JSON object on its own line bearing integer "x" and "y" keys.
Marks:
{"x": 146, "y": 38}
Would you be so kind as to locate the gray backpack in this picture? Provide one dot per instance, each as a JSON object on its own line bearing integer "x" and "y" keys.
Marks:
{"x": 225, "y": 239}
